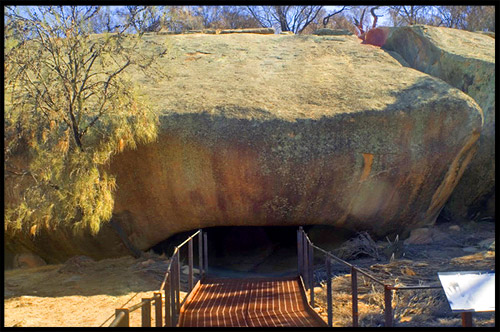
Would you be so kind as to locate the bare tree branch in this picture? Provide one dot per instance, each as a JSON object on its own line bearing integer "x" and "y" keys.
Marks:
{"x": 327, "y": 18}
{"x": 375, "y": 16}
{"x": 359, "y": 24}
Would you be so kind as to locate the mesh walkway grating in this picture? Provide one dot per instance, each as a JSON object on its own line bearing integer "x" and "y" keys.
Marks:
{"x": 249, "y": 303}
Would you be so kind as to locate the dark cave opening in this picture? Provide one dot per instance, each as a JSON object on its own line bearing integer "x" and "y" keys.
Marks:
{"x": 254, "y": 250}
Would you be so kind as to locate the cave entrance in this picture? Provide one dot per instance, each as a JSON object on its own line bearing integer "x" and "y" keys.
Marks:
{"x": 255, "y": 251}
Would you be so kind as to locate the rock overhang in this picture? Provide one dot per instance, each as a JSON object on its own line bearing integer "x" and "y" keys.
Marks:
{"x": 290, "y": 130}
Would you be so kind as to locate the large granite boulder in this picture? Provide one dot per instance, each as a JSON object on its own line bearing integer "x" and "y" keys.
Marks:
{"x": 27, "y": 261}
{"x": 290, "y": 130}
{"x": 465, "y": 60}
{"x": 293, "y": 130}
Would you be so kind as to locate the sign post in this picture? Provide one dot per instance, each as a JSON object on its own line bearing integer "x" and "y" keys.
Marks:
{"x": 468, "y": 292}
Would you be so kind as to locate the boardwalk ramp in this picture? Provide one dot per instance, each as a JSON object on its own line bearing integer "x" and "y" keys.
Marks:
{"x": 249, "y": 302}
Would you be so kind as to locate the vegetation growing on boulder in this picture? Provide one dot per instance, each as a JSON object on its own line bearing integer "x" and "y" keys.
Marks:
{"x": 69, "y": 107}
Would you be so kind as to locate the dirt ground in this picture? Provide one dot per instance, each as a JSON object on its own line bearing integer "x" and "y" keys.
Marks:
{"x": 83, "y": 292}
{"x": 468, "y": 247}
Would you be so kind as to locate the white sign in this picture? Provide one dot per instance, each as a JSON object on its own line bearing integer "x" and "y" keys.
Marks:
{"x": 469, "y": 290}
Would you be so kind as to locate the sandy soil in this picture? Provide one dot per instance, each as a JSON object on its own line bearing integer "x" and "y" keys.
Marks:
{"x": 80, "y": 293}
{"x": 86, "y": 293}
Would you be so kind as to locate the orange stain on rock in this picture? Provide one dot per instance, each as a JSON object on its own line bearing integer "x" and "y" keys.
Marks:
{"x": 368, "y": 161}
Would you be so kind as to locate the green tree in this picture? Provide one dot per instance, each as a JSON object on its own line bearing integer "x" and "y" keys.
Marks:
{"x": 70, "y": 105}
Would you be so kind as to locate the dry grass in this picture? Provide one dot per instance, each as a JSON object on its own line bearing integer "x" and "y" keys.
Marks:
{"x": 423, "y": 308}
{"x": 88, "y": 296}
{"x": 370, "y": 302}
{"x": 411, "y": 308}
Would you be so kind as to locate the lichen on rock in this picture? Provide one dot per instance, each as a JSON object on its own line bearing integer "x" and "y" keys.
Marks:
{"x": 273, "y": 130}
{"x": 466, "y": 61}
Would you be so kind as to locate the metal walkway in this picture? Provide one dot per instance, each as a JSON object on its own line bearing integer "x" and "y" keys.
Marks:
{"x": 249, "y": 302}
{"x": 256, "y": 302}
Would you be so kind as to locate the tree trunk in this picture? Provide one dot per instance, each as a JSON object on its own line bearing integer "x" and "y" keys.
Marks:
{"x": 76, "y": 132}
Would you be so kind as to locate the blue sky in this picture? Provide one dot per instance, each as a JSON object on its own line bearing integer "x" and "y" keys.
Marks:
{"x": 382, "y": 21}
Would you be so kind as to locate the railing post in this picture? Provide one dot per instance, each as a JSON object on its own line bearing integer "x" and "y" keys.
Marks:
{"x": 146, "y": 313}
{"x": 200, "y": 252}
{"x": 306, "y": 260}
{"x": 311, "y": 274}
{"x": 354, "y": 290}
{"x": 190, "y": 260}
{"x": 467, "y": 319}
{"x": 172, "y": 293}
{"x": 205, "y": 247}
{"x": 168, "y": 303}
{"x": 329, "y": 291}
{"x": 158, "y": 313}
{"x": 388, "y": 305}
{"x": 299, "y": 251}
{"x": 305, "y": 263}
{"x": 303, "y": 241}
{"x": 178, "y": 283}
{"x": 125, "y": 322}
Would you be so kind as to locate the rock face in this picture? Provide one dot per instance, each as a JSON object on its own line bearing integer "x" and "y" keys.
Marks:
{"x": 332, "y": 32}
{"x": 56, "y": 246}
{"x": 284, "y": 130}
{"x": 465, "y": 60}
{"x": 293, "y": 130}
{"x": 421, "y": 236}
{"x": 28, "y": 260}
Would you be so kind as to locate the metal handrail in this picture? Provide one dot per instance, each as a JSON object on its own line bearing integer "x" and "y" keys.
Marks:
{"x": 176, "y": 249}
{"x": 366, "y": 274}
{"x": 414, "y": 287}
{"x": 188, "y": 239}
{"x": 118, "y": 318}
{"x": 306, "y": 269}
{"x": 138, "y": 305}
{"x": 170, "y": 284}
{"x": 169, "y": 267}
